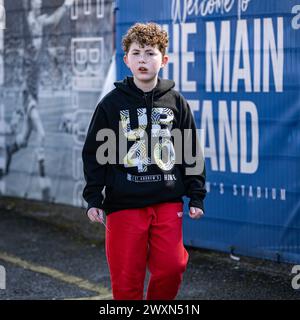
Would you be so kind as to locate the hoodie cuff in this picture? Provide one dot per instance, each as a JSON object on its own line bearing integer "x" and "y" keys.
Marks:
{"x": 93, "y": 204}
{"x": 196, "y": 204}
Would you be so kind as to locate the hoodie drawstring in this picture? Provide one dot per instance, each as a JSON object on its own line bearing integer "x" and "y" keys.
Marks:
{"x": 149, "y": 114}
{"x": 149, "y": 108}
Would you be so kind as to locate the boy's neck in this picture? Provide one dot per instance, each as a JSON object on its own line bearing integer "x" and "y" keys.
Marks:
{"x": 146, "y": 87}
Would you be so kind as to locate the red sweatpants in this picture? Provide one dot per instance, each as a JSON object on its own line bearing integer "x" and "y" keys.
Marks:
{"x": 150, "y": 236}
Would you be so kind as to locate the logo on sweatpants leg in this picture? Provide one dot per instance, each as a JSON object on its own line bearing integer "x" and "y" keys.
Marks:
{"x": 179, "y": 214}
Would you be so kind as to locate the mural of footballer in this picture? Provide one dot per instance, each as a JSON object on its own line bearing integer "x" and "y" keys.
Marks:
{"x": 34, "y": 24}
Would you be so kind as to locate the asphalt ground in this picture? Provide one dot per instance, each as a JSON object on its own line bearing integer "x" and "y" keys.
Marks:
{"x": 53, "y": 252}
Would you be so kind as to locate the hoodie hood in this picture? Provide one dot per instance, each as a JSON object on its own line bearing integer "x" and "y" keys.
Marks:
{"x": 128, "y": 86}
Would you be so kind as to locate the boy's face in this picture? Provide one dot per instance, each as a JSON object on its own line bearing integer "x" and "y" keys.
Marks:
{"x": 144, "y": 63}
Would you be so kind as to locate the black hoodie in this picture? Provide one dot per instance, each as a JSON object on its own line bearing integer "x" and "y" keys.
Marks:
{"x": 144, "y": 179}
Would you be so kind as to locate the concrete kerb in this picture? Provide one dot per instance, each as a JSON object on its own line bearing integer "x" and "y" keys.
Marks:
{"x": 62, "y": 216}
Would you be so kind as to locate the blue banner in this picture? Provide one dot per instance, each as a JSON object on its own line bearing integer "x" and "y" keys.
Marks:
{"x": 237, "y": 62}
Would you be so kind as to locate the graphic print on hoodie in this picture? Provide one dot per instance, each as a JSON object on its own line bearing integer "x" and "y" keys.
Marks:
{"x": 140, "y": 177}
{"x": 137, "y": 154}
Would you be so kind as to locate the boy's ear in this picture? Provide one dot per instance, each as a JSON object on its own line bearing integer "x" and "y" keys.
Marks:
{"x": 125, "y": 59}
{"x": 165, "y": 60}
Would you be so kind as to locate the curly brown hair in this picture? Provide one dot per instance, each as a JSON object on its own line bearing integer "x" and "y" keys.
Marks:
{"x": 149, "y": 34}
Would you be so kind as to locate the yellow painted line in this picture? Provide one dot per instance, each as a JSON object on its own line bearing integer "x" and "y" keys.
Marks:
{"x": 103, "y": 292}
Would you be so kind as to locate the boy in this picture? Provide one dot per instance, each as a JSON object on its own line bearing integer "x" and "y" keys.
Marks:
{"x": 142, "y": 196}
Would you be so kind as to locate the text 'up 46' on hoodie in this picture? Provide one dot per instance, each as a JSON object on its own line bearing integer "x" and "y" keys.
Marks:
{"x": 145, "y": 163}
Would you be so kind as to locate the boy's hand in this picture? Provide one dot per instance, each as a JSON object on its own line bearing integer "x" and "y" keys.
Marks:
{"x": 96, "y": 215}
{"x": 196, "y": 213}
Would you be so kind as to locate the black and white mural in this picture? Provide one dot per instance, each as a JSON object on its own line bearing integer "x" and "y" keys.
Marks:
{"x": 54, "y": 58}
